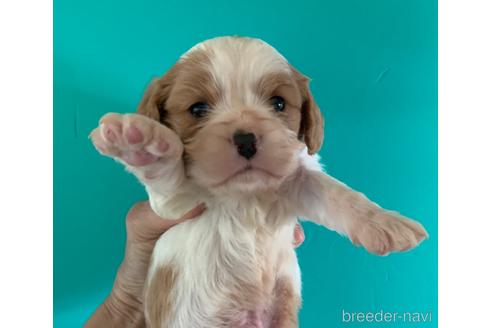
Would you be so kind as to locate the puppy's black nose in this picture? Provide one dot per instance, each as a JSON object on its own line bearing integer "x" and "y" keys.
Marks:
{"x": 245, "y": 143}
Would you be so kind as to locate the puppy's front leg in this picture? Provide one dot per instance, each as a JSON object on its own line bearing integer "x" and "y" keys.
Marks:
{"x": 325, "y": 200}
{"x": 148, "y": 149}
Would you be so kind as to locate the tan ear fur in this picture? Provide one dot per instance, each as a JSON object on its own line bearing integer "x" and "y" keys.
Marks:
{"x": 311, "y": 130}
{"x": 154, "y": 100}
{"x": 148, "y": 105}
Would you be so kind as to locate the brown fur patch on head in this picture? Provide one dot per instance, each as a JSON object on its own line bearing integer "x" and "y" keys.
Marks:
{"x": 157, "y": 297}
{"x": 236, "y": 78}
{"x": 283, "y": 85}
{"x": 302, "y": 114}
{"x": 188, "y": 82}
{"x": 312, "y": 123}
{"x": 154, "y": 99}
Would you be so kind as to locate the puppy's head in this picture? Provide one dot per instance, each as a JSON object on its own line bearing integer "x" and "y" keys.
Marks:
{"x": 242, "y": 111}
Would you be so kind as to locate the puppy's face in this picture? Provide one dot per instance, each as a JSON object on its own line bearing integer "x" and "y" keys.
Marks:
{"x": 242, "y": 112}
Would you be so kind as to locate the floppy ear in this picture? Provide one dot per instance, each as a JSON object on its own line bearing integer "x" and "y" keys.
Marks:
{"x": 311, "y": 130}
{"x": 153, "y": 103}
{"x": 149, "y": 105}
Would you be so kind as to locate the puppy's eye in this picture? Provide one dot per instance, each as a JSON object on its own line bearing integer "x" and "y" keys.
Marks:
{"x": 199, "y": 109}
{"x": 278, "y": 103}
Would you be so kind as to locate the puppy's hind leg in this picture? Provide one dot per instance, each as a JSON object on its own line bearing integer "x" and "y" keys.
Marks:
{"x": 286, "y": 305}
{"x": 157, "y": 296}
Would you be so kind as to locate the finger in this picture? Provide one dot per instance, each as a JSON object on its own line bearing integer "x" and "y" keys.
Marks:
{"x": 139, "y": 210}
{"x": 160, "y": 224}
{"x": 143, "y": 224}
{"x": 142, "y": 221}
{"x": 164, "y": 225}
{"x": 298, "y": 235}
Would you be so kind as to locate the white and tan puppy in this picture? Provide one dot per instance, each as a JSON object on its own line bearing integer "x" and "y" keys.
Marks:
{"x": 234, "y": 125}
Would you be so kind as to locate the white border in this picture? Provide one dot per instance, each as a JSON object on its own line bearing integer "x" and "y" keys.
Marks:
{"x": 465, "y": 164}
{"x": 26, "y": 163}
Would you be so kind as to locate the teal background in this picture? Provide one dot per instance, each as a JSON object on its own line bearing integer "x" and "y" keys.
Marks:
{"x": 373, "y": 66}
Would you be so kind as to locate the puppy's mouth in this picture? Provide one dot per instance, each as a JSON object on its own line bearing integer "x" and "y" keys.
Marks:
{"x": 247, "y": 174}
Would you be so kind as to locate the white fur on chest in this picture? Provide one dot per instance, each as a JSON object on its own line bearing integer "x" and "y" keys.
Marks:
{"x": 227, "y": 248}
{"x": 236, "y": 243}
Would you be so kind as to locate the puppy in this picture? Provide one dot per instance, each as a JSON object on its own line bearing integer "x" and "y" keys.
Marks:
{"x": 234, "y": 125}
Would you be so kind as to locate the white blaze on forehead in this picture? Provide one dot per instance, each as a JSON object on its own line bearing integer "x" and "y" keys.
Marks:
{"x": 237, "y": 63}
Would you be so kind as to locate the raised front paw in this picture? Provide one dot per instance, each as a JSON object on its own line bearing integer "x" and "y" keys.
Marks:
{"x": 136, "y": 140}
{"x": 387, "y": 232}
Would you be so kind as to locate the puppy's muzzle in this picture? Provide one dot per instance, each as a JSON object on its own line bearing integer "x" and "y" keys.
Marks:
{"x": 245, "y": 143}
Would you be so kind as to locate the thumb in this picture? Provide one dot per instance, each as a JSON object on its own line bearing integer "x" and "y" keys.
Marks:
{"x": 191, "y": 214}
{"x": 143, "y": 223}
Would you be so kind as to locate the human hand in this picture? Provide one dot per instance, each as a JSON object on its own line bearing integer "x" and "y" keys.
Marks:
{"x": 124, "y": 306}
